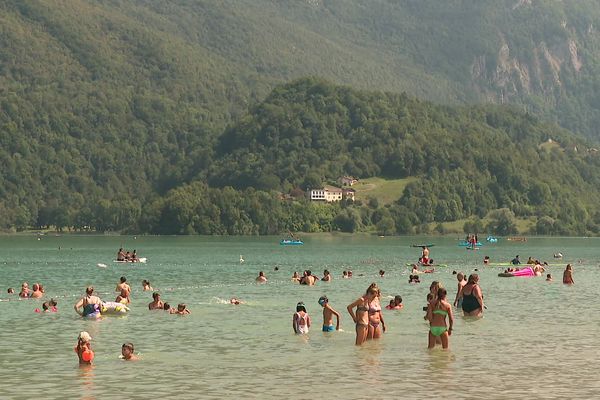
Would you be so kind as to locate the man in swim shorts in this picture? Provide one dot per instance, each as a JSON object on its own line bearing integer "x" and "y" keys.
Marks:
{"x": 328, "y": 313}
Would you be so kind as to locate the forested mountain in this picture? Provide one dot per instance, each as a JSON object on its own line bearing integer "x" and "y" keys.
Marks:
{"x": 106, "y": 106}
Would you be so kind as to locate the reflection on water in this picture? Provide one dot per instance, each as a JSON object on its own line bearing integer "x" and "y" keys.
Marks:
{"x": 535, "y": 341}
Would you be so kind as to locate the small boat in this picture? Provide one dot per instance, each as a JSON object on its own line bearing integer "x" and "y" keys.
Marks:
{"x": 139, "y": 260}
{"x": 291, "y": 242}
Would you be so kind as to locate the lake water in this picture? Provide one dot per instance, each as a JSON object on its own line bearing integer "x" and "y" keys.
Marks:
{"x": 536, "y": 340}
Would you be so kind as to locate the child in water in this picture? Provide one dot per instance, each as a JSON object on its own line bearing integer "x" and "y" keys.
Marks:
{"x": 549, "y": 278}
{"x": 127, "y": 352}
{"x": 301, "y": 319}
{"x": 328, "y": 313}
{"x": 84, "y": 348}
{"x": 181, "y": 310}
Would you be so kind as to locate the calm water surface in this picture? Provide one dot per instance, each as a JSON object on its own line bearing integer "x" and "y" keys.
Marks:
{"x": 537, "y": 339}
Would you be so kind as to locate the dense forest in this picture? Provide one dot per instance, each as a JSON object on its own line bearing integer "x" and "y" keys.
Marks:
{"x": 175, "y": 117}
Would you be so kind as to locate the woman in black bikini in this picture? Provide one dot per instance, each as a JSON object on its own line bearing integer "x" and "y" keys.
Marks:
{"x": 472, "y": 298}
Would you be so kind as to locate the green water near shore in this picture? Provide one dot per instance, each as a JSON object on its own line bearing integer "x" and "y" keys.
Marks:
{"x": 537, "y": 339}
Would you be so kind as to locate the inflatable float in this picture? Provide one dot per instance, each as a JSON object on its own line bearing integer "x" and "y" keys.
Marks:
{"x": 139, "y": 260}
{"x": 528, "y": 271}
{"x": 113, "y": 308}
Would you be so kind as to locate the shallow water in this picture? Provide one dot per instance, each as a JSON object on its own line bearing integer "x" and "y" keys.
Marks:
{"x": 534, "y": 341}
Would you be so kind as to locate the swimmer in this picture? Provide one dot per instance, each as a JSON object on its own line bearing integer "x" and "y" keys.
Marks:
{"x": 181, "y": 310}
{"x": 568, "y": 275}
{"x": 361, "y": 316}
{"x": 127, "y": 352}
{"x": 549, "y": 278}
{"x": 345, "y": 275}
{"x": 301, "y": 320}
{"x": 36, "y": 294}
{"x": 414, "y": 279}
{"x": 156, "y": 303}
{"x": 235, "y": 301}
{"x": 326, "y": 276}
{"x": 261, "y": 278}
{"x": 146, "y": 287}
{"x": 395, "y": 303}
{"x": 167, "y": 307}
{"x": 11, "y": 290}
{"x": 84, "y": 348}
{"x": 328, "y": 313}
{"x": 437, "y": 311}
{"x": 415, "y": 269}
{"x": 24, "y": 293}
{"x": 89, "y": 304}
{"x": 381, "y": 273}
{"x": 50, "y": 306}
{"x": 295, "y": 277}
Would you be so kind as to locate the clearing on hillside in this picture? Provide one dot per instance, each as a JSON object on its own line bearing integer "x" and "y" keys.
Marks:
{"x": 385, "y": 191}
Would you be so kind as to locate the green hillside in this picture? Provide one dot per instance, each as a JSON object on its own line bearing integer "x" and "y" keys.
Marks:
{"x": 109, "y": 107}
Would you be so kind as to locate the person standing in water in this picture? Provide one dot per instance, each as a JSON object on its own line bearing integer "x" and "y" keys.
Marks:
{"x": 301, "y": 320}
{"x": 328, "y": 313}
{"x": 460, "y": 277}
{"x": 568, "y": 275}
{"x": 361, "y": 317}
{"x": 472, "y": 297}
{"x": 127, "y": 352}
{"x": 437, "y": 312}
{"x": 84, "y": 348}
{"x": 89, "y": 303}
{"x": 425, "y": 256}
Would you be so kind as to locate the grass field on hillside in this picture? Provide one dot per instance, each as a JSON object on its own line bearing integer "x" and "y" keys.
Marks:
{"x": 385, "y": 191}
{"x": 524, "y": 226}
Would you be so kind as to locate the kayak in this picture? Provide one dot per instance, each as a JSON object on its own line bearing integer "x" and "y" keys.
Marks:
{"x": 291, "y": 242}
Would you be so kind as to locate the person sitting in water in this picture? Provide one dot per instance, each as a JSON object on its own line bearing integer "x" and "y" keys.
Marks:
{"x": 181, "y": 310}
{"x": 127, "y": 352}
{"x": 516, "y": 261}
{"x": 156, "y": 303}
{"x": 121, "y": 255}
{"x": 549, "y": 278}
{"x": 36, "y": 294}
{"x": 89, "y": 304}
{"x": 261, "y": 278}
{"x": 326, "y": 276}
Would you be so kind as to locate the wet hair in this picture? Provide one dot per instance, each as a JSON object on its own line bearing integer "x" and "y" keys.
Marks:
{"x": 155, "y": 295}
{"x": 326, "y": 272}
{"x": 549, "y": 276}
{"x": 181, "y": 306}
{"x": 166, "y": 306}
{"x": 123, "y": 279}
{"x": 261, "y": 273}
{"x": 128, "y": 345}
{"x": 398, "y": 299}
{"x": 453, "y": 272}
{"x": 308, "y": 272}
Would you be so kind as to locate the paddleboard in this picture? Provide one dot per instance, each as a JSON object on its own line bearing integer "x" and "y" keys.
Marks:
{"x": 140, "y": 260}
